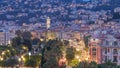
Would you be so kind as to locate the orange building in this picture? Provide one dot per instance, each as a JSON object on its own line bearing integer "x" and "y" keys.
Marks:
{"x": 95, "y": 52}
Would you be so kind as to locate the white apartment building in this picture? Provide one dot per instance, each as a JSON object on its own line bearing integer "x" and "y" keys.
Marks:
{"x": 111, "y": 50}
{"x": 6, "y": 37}
{"x": 108, "y": 49}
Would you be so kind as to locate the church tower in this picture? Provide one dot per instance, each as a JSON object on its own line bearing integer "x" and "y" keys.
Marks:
{"x": 48, "y": 23}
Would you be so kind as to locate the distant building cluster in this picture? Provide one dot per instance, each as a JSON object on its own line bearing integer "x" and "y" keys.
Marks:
{"x": 68, "y": 21}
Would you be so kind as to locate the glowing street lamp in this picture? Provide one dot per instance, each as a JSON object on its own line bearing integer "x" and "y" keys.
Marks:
{"x": 77, "y": 57}
{"x": 8, "y": 50}
{"x": 19, "y": 59}
{"x": 77, "y": 49}
{"x": 22, "y": 57}
{"x": 29, "y": 54}
{"x": 3, "y": 53}
{"x": 1, "y": 58}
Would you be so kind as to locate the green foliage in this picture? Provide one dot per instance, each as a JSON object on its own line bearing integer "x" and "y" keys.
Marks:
{"x": 28, "y": 44}
{"x": 74, "y": 62}
{"x": 9, "y": 63}
{"x": 86, "y": 49}
{"x": 23, "y": 38}
{"x": 9, "y": 52}
{"x": 70, "y": 54}
{"x": 86, "y": 40}
{"x": 16, "y": 41}
{"x": 51, "y": 63}
{"x": 108, "y": 64}
{"x": 83, "y": 64}
{"x": 26, "y": 35}
{"x": 1, "y": 63}
{"x": 35, "y": 41}
{"x": 93, "y": 64}
{"x": 18, "y": 33}
{"x": 54, "y": 50}
{"x": 32, "y": 61}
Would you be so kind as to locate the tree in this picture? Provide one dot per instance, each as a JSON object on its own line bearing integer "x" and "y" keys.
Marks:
{"x": 70, "y": 54}
{"x": 32, "y": 61}
{"x": 10, "y": 63}
{"x": 86, "y": 39}
{"x": 53, "y": 52}
{"x": 74, "y": 62}
{"x": 108, "y": 64}
{"x": 16, "y": 41}
{"x": 83, "y": 64}
{"x": 26, "y": 35}
{"x": 52, "y": 62}
{"x": 35, "y": 41}
{"x": 93, "y": 64}
{"x": 18, "y": 33}
{"x": 28, "y": 44}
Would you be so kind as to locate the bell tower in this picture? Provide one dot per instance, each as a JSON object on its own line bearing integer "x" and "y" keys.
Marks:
{"x": 48, "y": 22}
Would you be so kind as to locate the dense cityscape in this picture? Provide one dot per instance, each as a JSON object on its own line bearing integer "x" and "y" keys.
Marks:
{"x": 59, "y": 33}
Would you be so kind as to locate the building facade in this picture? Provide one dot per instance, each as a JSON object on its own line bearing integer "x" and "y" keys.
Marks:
{"x": 104, "y": 50}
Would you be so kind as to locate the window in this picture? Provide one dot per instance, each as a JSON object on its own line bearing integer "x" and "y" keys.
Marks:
{"x": 107, "y": 43}
{"x": 94, "y": 49}
{"x": 94, "y": 44}
{"x": 108, "y": 50}
{"x": 115, "y": 43}
{"x": 114, "y": 58}
{"x": 115, "y": 51}
{"x": 94, "y": 52}
{"x": 105, "y": 50}
{"x": 105, "y": 58}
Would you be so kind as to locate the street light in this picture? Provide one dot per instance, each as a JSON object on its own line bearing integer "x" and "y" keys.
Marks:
{"x": 23, "y": 58}
{"x": 19, "y": 59}
{"x": 3, "y": 53}
{"x": 1, "y": 58}
{"x": 29, "y": 54}
{"x": 77, "y": 49}
{"x": 8, "y": 50}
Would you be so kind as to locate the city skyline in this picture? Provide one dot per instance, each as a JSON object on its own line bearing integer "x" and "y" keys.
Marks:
{"x": 60, "y": 33}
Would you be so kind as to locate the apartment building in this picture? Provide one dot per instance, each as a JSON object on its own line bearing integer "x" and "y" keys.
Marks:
{"x": 6, "y": 37}
{"x": 107, "y": 49}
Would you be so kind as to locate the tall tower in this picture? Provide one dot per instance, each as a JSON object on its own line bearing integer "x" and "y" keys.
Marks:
{"x": 48, "y": 23}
